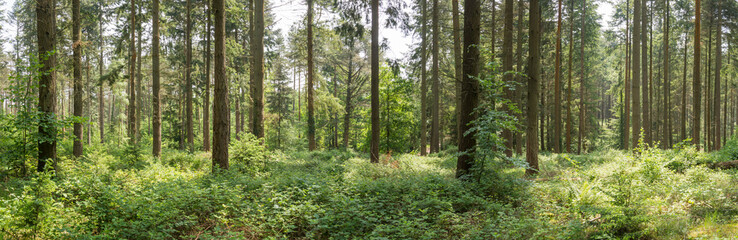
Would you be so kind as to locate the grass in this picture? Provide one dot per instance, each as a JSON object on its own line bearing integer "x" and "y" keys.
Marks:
{"x": 654, "y": 194}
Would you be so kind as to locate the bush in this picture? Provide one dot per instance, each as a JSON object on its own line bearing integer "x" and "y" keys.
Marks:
{"x": 248, "y": 155}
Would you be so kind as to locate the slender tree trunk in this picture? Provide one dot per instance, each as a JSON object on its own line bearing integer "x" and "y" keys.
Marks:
{"x": 557, "y": 86}
{"x": 155, "y": 78}
{"x": 507, "y": 67}
{"x": 188, "y": 78}
{"x": 716, "y": 94}
{"x": 646, "y": 113}
{"x": 569, "y": 90}
{"x": 470, "y": 86}
{"x": 132, "y": 131}
{"x": 696, "y": 85}
{"x": 627, "y": 87}
{"x": 493, "y": 30}
{"x": 683, "y": 126}
{"x": 582, "y": 87}
{"x": 458, "y": 71}
{"x": 139, "y": 79}
{"x": 534, "y": 72}
{"x": 518, "y": 144}
{"x": 100, "y": 97}
{"x": 667, "y": 82}
{"x": 375, "y": 83}
{"x": 423, "y": 81}
{"x": 46, "y": 34}
{"x": 636, "y": 88}
{"x": 311, "y": 115}
{"x": 78, "y": 102}
{"x": 206, "y": 107}
{"x": 435, "y": 110}
{"x": 257, "y": 80}
{"x": 221, "y": 110}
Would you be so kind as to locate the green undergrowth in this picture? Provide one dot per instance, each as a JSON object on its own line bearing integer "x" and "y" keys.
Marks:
{"x": 108, "y": 194}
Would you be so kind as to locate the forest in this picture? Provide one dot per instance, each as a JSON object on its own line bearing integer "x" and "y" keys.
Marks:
{"x": 302, "y": 119}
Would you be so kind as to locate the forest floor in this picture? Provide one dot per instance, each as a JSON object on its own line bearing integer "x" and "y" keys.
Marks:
{"x": 660, "y": 194}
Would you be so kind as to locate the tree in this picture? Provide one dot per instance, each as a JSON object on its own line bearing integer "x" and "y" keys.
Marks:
{"x": 374, "y": 152}
{"x": 557, "y": 86}
{"x": 534, "y": 71}
{"x": 696, "y": 85}
{"x": 435, "y": 109}
{"x": 206, "y": 105}
{"x": 458, "y": 65}
{"x": 469, "y": 87}
{"x": 132, "y": 131}
{"x": 310, "y": 92}
{"x": 635, "y": 92}
{"x": 507, "y": 63}
{"x": 646, "y": 113}
{"x": 100, "y": 95}
{"x": 257, "y": 70}
{"x": 78, "y": 102}
{"x": 626, "y": 110}
{"x": 582, "y": 87}
{"x": 188, "y": 77}
{"x": 156, "y": 97}
{"x": 569, "y": 89}
{"x": 46, "y": 37}
{"x": 221, "y": 110}
{"x": 423, "y": 80}
{"x": 667, "y": 86}
{"x": 718, "y": 67}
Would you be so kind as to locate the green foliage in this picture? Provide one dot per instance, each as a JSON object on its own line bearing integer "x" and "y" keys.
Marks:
{"x": 248, "y": 155}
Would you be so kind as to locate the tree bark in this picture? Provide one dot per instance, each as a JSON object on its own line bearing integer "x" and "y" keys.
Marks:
{"x": 188, "y": 78}
{"x": 46, "y": 35}
{"x": 206, "y": 107}
{"x": 716, "y": 94}
{"x": 435, "y": 109}
{"x": 696, "y": 85}
{"x": 132, "y": 131}
{"x": 557, "y": 86}
{"x": 534, "y": 72}
{"x": 100, "y": 97}
{"x": 155, "y": 78}
{"x": 375, "y": 83}
{"x": 221, "y": 110}
{"x": 667, "y": 85}
{"x": 636, "y": 87}
{"x": 78, "y": 102}
{"x": 627, "y": 87}
{"x": 646, "y": 113}
{"x": 458, "y": 71}
{"x": 569, "y": 90}
{"x": 423, "y": 80}
{"x": 311, "y": 115}
{"x": 507, "y": 67}
{"x": 257, "y": 68}
{"x": 470, "y": 86}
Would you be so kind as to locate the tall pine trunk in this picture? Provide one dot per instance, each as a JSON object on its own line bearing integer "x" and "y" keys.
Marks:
{"x": 257, "y": 71}
{"x": 696, "y": 84}
{"x": 188, "y": 78}
{"x": 435, "y": 88}
{"x": 507, "y": 67}
{"x": 310, "y": 109}
{"x": 557, "y": 86}
{"x": 646, "y": 111}
{"x": 635, "y": 84}
{"x": 667, "y": 82}
{"x": 132, "y": 77}
{"x": 423, "y": 81}
{"x": 374, "y": 151}
{"x": 155, "y": 78}
{"x": 470, "y": 86}
{"x": 458, "y": 71}
{"x": 221, "y": 110}
{"x": 716, "y": 94}
{"x": 101, "y": 94}
{"x": 534, "y": 72}
{"x": 78, "y": 102}
{"x": 46, "y": 35}
{"x": 206, "y": 105}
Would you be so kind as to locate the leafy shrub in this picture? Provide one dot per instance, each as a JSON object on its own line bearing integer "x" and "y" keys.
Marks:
{"x": 248, "y": 155}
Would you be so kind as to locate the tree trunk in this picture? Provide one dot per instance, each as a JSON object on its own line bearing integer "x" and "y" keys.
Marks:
{"x": 518, "y": 144}
{"x": 375, "y": 83}
{"x": 206, "y": 107}
{"x": 646, "y": 113}
{"x": 435, "y": 110}
{"x": 683, "y": 127}
{"x": 132, "y": 77}
{"x": 470, "y": 86}
{"x": 100, "y": 97}
{"x": 534, "y": 72}
{"x": 78, "y": 102}
{"x": 716, "y": 95}
{"x": 155, "y": 76}
{"x": 221, "y": 110}
{"x": 507, "y": 67}
{"x": 582, "y": 87}
{"x": 557, "y": 87}
{"x": 635, "y": 84}
{"x": 46, "y": 34}
{"x": 458, "y": 71}
{"x": 188, "y": 78}
{"x": 627, "y": 88}
{"x": 257, "y": 70}
{"x": 667, "y": 82}
{"x": 311, "y": 115}
{"x": 696, "y": 85}
{"x": 569, "y": 90}
{"x": 423, "y": 81}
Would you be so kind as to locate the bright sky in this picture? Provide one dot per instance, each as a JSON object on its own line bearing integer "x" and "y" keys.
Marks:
{"x": 288, "y": 12}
